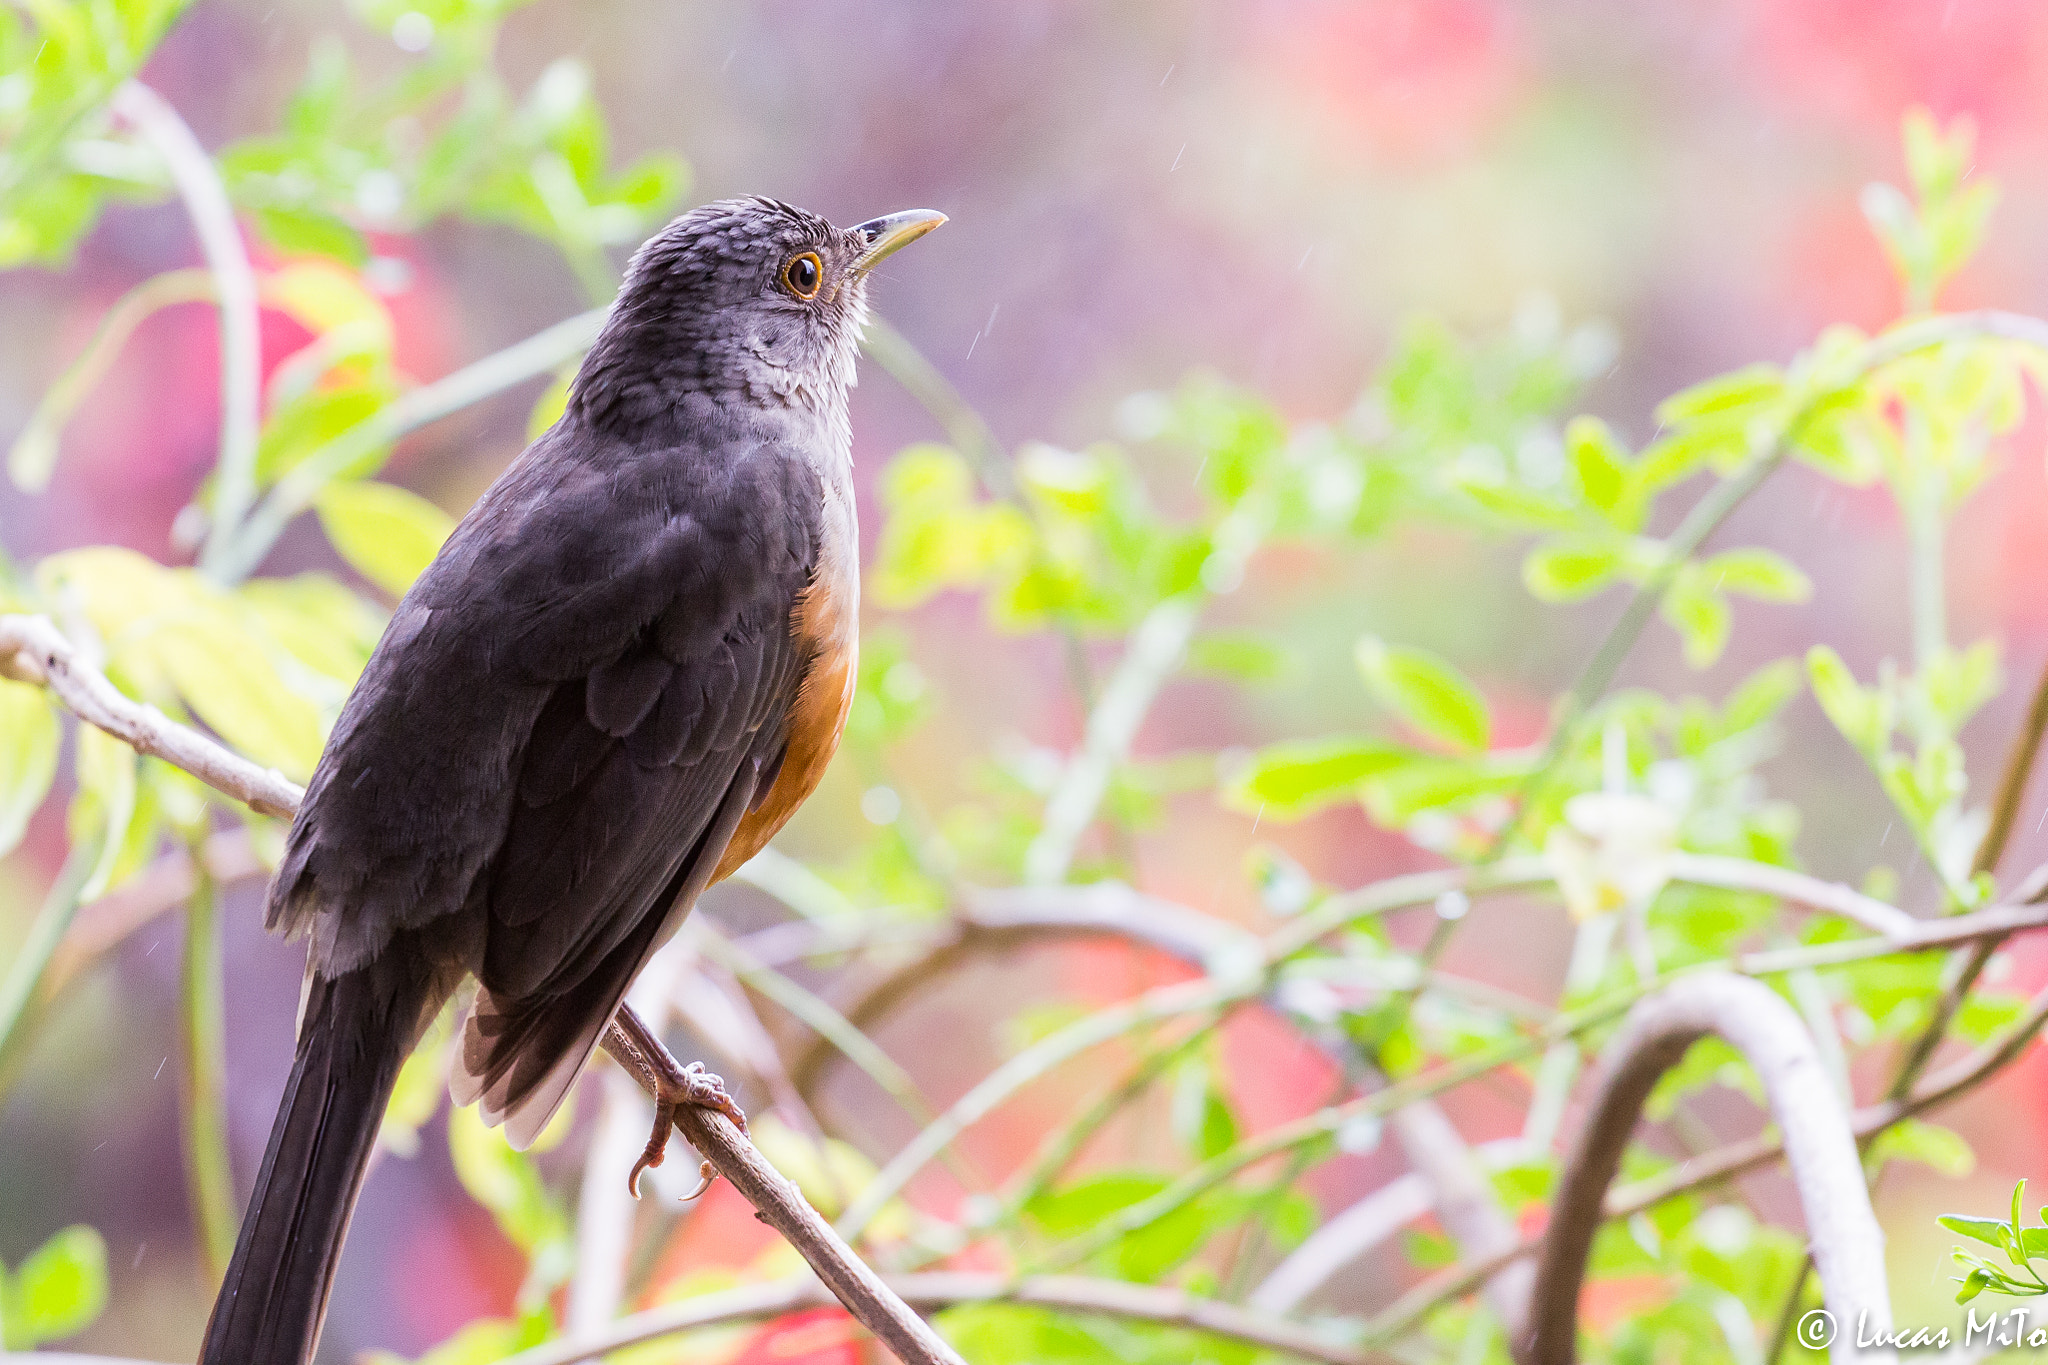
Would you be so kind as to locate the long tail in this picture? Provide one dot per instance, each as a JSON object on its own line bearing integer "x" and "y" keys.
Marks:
{"x": 356, "y": 1033}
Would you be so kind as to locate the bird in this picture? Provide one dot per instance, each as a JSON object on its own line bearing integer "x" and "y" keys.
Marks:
{"x": 627, "y": 666}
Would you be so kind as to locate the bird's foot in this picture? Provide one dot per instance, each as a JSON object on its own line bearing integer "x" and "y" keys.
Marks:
{"x": 691, "y": 1085}
{"x": 673, "y": 1085}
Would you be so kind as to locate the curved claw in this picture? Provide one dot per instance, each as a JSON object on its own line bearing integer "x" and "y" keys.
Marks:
{"x": 707, "y": 1176}
{"x": 656, "y": 1150}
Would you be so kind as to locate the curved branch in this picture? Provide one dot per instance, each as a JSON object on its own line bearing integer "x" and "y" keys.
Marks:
{"x": 1713, "y": 1168}
{"x": 227, "y": 257}
{"x": 1847, "y": 1243}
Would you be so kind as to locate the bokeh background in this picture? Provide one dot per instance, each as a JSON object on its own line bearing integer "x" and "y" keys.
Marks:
{"x": 1265, "y": 190}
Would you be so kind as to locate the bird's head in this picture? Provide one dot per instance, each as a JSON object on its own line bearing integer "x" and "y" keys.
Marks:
{"x": 745, "y": 301}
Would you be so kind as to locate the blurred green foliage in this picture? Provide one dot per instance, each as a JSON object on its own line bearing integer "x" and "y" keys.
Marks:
{"x": 1103, "y": 552}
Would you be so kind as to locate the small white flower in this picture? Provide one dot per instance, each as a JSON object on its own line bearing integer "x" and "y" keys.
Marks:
{"x": 1613, "y": 850}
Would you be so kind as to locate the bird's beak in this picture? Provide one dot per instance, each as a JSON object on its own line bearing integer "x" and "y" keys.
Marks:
{"x": 892, "y": 232}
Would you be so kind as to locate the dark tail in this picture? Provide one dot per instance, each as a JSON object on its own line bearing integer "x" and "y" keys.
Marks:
{"x": 357, "y": 1031}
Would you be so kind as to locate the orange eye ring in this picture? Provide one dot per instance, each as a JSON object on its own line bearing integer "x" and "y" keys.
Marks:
{"x": 803, "y": 275}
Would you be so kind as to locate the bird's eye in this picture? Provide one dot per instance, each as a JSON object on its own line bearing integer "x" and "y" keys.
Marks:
{"x": 802, "y": 275}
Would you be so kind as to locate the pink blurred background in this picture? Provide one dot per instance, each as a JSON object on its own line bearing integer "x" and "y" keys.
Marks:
{"x": 1261, "y": 189}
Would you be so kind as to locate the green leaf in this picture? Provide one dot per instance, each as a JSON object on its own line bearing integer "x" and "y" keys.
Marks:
{"x": 386, "y": 534}
{"x": 1956, "y": 683}
{"x": 58, "y": 1290}
{"x": 1515, "y": 506}
{"x": 1941, "y": 1149}
{"x": 1017, "y": 1334}
{"x": 29, "y": 738}
{"x": 1698, "y": 613}
{"x": 1239, "y": 656}
{"x": 549, "y": 407}
{"x": 1288, "y": 781}
{"x": 1568, "y": 569}
{"x": 1426, "y": 692}
{"x": 1738, "y": 391}
{"x": 1757, "y": 573}
{"x": 1862, "y": 716}
{"x": 227, "y": 677}
{"x": 1202, "y": 1118}
{"x": 1602, "y": 466}
{"x": 1398, "y": 795}
{"x": 1761, "y": 695}
{"x": 504, "y": 1181}
{"x": 936, "y": 535}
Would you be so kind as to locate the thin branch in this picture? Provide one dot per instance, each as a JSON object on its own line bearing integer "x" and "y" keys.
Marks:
{"x": 963, "y": 426}
{"x": 1321, "y": 1129}
{"x": 34, "y": 452}
{"x": 782, "y": 1206}
{"x": 824, "y": 1021}
{"x": 1158, "y": 1006}
{"x": 234, "y": 280}
{"x": 33, "y": 650}
{"x": 1072, "y": 1293}
{"x": 1740, "y": 874}
{"x": 1465, "y": 1203}
{"x": 1154, "y": 653}
{"x": 1843, "y": 1231}
{"x": 2012, "y": 782}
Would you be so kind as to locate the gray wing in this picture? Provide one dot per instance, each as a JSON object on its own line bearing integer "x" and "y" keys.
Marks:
{"x": 570, "y": 713}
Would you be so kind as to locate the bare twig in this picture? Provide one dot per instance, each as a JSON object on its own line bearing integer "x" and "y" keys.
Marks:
{"x": 963, "y": 426}
{"x": 33, "y": 650}
{"x": 241, "y": 357}
{"x": 782, "y": 1206}
{"x": 1350, "y": 1234}
{"x": 1076, "y": 1294}
{"x": 2012, "y": 782}
{"x": 1465, "y": 1203}
{"x": 1740, "y": 874}
{"x": 1847, "y": 1243}
{"x": 1154, "y": 652}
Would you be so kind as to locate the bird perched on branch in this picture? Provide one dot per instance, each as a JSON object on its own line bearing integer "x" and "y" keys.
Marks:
{"x": 627, "y": 667}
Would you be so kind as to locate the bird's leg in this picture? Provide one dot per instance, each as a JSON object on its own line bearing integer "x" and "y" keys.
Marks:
{"x": 671, "y": 1084}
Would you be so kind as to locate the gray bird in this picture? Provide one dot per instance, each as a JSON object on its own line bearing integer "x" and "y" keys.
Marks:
{"x": 625, "y": 670}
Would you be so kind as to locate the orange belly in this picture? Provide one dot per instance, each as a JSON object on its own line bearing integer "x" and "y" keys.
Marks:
{"x": 815, "y": 721}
